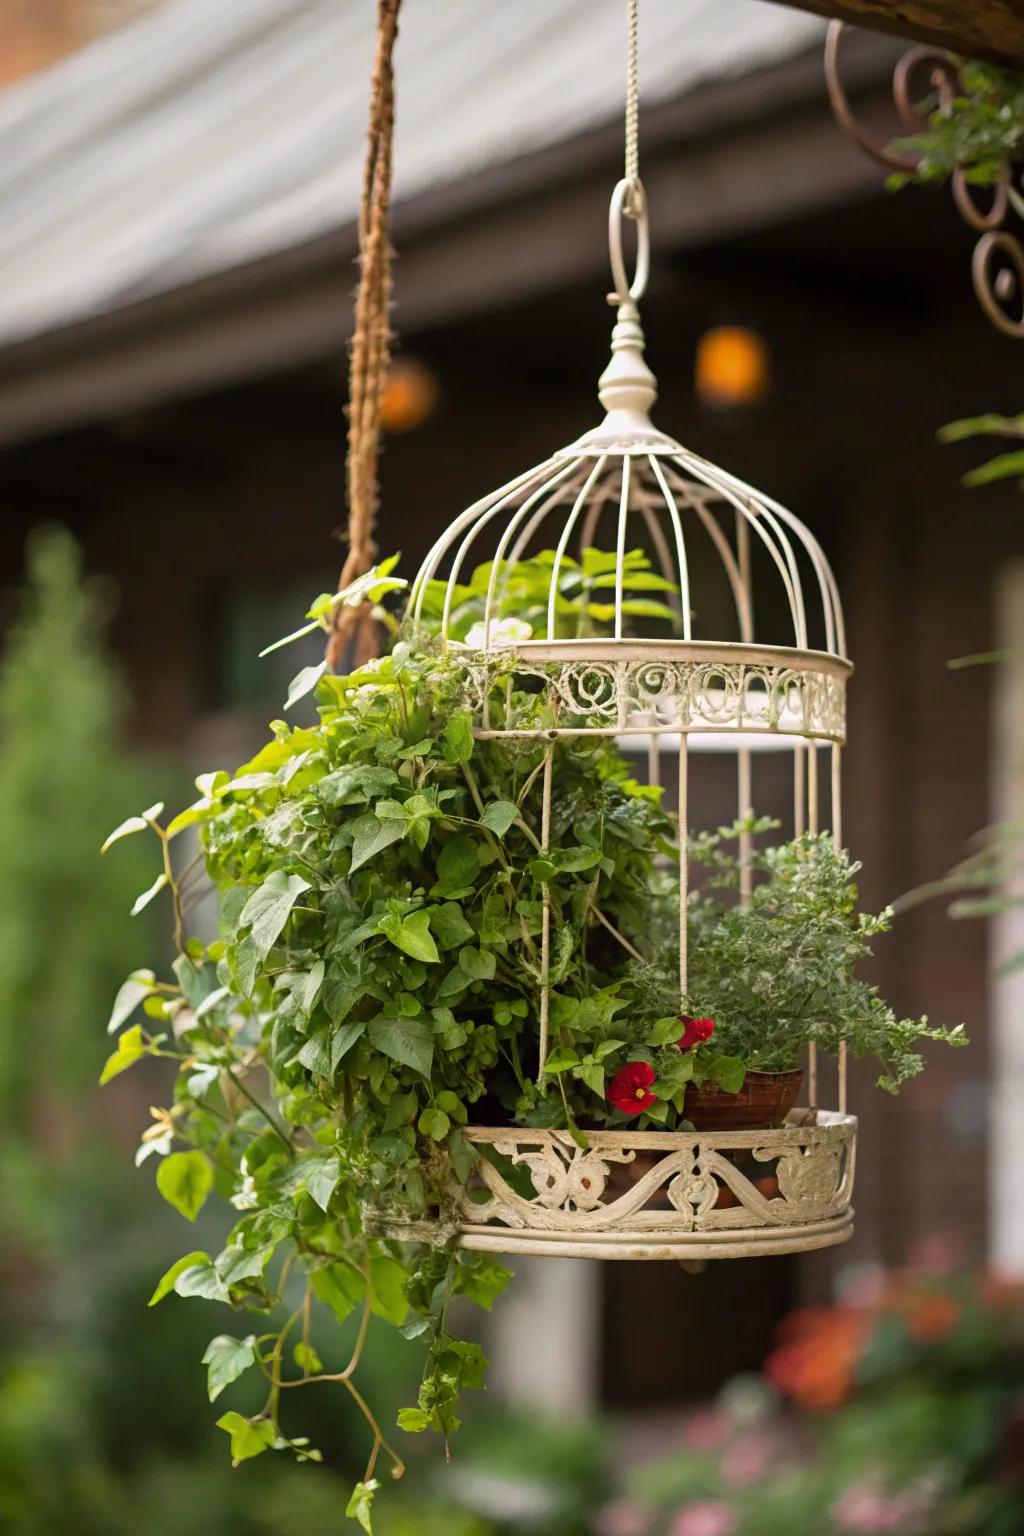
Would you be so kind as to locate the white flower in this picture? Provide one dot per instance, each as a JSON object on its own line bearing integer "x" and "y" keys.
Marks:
{"x": 503, "y": 632}
{"x": 246, "y": 1199}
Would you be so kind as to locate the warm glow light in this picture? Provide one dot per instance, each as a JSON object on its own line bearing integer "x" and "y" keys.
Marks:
{"x": 733, "y": 367}
{"x": 409, "y": 397}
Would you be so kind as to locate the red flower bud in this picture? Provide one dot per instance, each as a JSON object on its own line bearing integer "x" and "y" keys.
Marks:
{"x": 695, "y": 1032}
{"x": 630, "y": 1088}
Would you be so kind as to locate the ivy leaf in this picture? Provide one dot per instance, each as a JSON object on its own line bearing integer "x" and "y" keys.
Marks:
{"x": 130, "y": 994}
{"x": 458, "y": 737}
{"x": 236, "y": 1263}
{"x": 564, "y": 861}
{"x": 561, "y": 1060}
{"x": 453, "y": 983}
{"x": 413, "y": 1420}
{"x": 339, "y": 1287}
{"x": 478, "y": 964}
{"x": 249, "y": 1437}
{"x": 410, "y": 1041}
{"x": 211, "y": 1001}
{"x": 269, "y": 907}
{"x": 434, "y": 1123}
{"x": 227, "y": 1359}
{"x": 322, "y": 1175}
{"x": 458, "y": 863}
{"x": 130, "y": 1048}
{"x": 449, "y": 926}
{"x": 464, "y": 1157}
{"x": 315, "y": 1055}
{"x": 304, "y": 682}
{"x": 592, "y": 1073}
{"x": 499, "y": 816}
{"x": 481, "y": 1279}
{"x": 412, "y": 936}
{"x": 185, "y": 1180}
{"x": 401, "y": 1109}
{"x": 201, "y": 1279}
{"x": 307, "y": 990}
{"x": 355, "y": 784}
{"x": 728, "y": 1072}
{"x": 307, "y": 1359}
{"x": 132, "y": 825}
{"x": 142, "y": 902}
{"x": 344, "y": 1039}
{"x": 666, "y": 1031}
{"x": 166, "y": 1283}
{"x": 388, "y": 1298}
{"x": 371, "y": 837}
{"x": 360, "y": 1505}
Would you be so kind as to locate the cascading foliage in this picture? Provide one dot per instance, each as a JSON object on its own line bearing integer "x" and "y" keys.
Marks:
{"x": 373, "y": 987}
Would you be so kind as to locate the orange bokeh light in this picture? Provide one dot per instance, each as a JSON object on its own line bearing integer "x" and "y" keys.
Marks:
{"x": 409, "y": 396}
{"x": 733, "y": 366}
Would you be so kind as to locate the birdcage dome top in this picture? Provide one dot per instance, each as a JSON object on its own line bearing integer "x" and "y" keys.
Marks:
{"x": 641, "y": 488}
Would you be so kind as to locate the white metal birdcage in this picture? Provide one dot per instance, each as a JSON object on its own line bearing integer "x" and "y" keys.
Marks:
{"x": 651, "y": 1194}
{"x": 654, "y": 1194}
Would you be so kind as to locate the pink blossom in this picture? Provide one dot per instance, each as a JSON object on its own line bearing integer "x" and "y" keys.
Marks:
{"x": 706, "y": 1431}
{"x": 867, "y": 1511}
{"x": 746, "y": 1461}
{"x": 622, "y": 1518}
{"x": 706, "y": 1518}
{"x": 939, "y": 1254}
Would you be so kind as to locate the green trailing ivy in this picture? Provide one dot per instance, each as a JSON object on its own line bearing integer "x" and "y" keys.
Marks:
{"x": 980, "y": 132}
{"x": 374, "y": 987}
{"x": 980, "y": 135}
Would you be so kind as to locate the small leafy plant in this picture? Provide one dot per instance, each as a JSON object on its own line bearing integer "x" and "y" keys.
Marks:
{"x": 374, "y": 984}
{"x": 980, "y": 132}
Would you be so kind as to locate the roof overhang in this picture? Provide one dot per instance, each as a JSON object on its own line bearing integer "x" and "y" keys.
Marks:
{"x": 730, "y": 157}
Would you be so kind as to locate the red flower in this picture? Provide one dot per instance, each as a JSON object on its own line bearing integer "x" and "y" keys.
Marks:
{"x": 695, "y": 1032}
{"x": 630, "y": 1088}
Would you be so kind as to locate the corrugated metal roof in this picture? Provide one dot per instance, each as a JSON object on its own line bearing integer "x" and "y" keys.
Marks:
{"x": 214, "y": 132}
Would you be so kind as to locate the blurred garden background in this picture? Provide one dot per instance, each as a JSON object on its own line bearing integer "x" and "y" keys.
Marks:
{"x": 178, "y": 189}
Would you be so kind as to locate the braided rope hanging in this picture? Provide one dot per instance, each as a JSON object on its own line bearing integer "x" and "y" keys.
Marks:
{"x": 371, "y": 344}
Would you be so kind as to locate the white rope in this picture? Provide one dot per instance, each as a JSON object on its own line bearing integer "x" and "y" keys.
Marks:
{"x": 632, "y": 207}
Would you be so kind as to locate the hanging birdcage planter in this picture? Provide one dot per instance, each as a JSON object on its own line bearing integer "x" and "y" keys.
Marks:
{"x": 620, "y": 1193}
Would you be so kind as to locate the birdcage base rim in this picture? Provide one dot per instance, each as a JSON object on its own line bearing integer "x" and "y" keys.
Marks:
{"x": 648, "y": 1194}
{"x": 802, "y": 1123}
{"x": 743, "y": 1243}
{"x": 702, "y": 652}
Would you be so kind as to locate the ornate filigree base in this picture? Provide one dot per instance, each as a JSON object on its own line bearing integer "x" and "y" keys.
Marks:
{"x": 656, "y": 1195}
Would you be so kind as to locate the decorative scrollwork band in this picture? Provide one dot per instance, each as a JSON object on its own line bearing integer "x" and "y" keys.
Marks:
{"x": 666, "y": 696}
{"x": 678, "y": 1187}
{"x": 998, "y": 262}
{"x": 649, "y": 1195}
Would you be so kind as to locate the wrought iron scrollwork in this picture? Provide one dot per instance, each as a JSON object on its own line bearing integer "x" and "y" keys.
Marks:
{"x": 997, "y": 266}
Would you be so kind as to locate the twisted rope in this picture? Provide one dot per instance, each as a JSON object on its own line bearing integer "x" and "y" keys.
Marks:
{"x": 632, "y": 106}
{"x": 371, "y": 344}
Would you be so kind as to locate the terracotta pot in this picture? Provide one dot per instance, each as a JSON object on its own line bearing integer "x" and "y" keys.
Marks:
{"x": 766, "y": 1098}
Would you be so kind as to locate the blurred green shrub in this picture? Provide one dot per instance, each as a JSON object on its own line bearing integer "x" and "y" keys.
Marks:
{"x": 63, "y": 946}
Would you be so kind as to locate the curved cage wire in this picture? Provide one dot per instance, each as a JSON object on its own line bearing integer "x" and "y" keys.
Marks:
{"x": 657, "y": 492}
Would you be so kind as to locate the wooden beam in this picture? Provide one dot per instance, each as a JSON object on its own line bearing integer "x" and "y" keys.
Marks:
{"x": 981, "y": 29}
